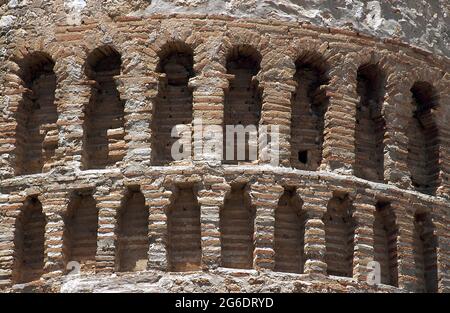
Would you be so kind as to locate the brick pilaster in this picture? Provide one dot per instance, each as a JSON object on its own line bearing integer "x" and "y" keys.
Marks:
{"x": 405, "y": 245}
{"x": 441, "y": 222}
{"x": 397, "y": 113}
{"x": 54, "y": 206}
{"x": 364, "y": 218}
{"x": 264, "y": 198}
{"x": 276, "y": 110}
{"x": 211, "y": 199}
{"x": 208, "y": 106}
{"x": 158, "y": 200}
{"x": 339, "y": 130}
{"x": 108, "y": 203}
{"x": 314, "y": 205}
{"x": 139, "y": 93}
{"x": 9, "y": 211}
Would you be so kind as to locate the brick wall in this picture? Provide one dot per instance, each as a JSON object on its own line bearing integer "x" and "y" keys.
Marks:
{"x": 115, "y": 97}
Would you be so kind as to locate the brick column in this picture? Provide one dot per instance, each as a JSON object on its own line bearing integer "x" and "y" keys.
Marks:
{"x": 339, "y": 139}
{"x": 10, "y": 207}
{"x": 264, "y": 197}
{"x": 397, "y": 113}
{"x": 277, "y": 83}
{"x": 364, "y": 219}
{"x": 405, "y": 241}
{"x": 211, "y": 198}
{"x": 139, "y": 93}
{"x": 441, "y": 221}
{"x": 11, "y": 95}
{"x": 108, "y": 203}
{"x": 442, "y": 116}
{"x": 71, "y": 98}
{"x": 208, "y": 106}
{"x": 315, "y": 200}
{"x": 276, "y": 110}
{"x": 158, "y": 199}
{"x": 7, "y": 83}
{"x": 54, "y": 206}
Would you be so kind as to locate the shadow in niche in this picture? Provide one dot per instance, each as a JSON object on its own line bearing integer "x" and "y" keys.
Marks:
{"x": 174, "y": 101}
{"x": 29, "y": 242}
{"x": 132, "y": 233}
{"x": 104, "y": 115}
{"x": 339, "y": 236}
{"x": 36, "y": 132}
{"x": 236, "y": 228}
{"x": 184, "y": 232}
{"x": 80, "y": 231}
{"x": 309, "y": 104}
{"x": 290, "y": 222}
{"x": 423, "y": 139}
{"x": 243, "y": 99}
{"x": 370, "y": 124}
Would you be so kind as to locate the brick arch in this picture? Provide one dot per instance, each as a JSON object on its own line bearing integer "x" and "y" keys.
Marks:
{"x": 171, "y": 47}
{"x": 97, "y": 41}
{"x": 98, "y": 55}
{"x": 165, "y": 43}
{"x": 370, "y": 56}
{"x": 334, "y": 60}
{"x": 385, "y": 240}
{"x": 246, "y": 38}
{"x": 314, "y": 50}
{"x": 424, "y": 76}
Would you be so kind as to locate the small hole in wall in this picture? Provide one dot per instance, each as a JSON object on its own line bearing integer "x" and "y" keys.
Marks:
{"x": 303, "y": 156}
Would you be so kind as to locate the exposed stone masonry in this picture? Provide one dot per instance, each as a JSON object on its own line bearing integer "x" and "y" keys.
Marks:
{"x": 111, "y": 199}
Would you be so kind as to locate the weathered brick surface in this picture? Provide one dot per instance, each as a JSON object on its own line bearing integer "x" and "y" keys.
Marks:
{"x": 311, "y": 82}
